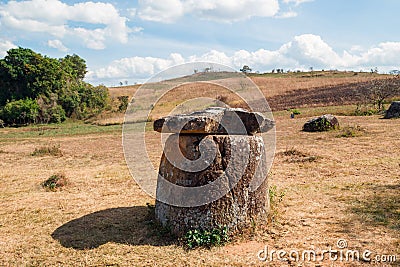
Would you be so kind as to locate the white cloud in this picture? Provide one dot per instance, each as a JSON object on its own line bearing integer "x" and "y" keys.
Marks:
{"x": 141, "y": 67}
{"x": 385, "y": 55}
{"x": 94, "y": 39}
{"x": 311, "y": 49}
{"x": 53, "y": 17}
{"x": 5, "y": 45}
{"x": 132, "y": 12}
{"x": 296, "y": 2}
{"x": 285, "y": 15}
{"x": 161, "y": 11}
{"x": 57, "y": 44}
{"x": 212, "y": 56}
{"x": 303, "y": 52}
{"x": 34, "y": 25}
{"x": 356, "y": 48}
{"x": 228, "y": 10}
{"x": 224, "y": 10}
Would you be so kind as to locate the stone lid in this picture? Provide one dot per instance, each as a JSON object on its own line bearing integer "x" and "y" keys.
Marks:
{"x": 215, "y": 120}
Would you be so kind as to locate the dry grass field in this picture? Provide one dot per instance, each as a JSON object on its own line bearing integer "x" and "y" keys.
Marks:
{"x": 331, "y": 188}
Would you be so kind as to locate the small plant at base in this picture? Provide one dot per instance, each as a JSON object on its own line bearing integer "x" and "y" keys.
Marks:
{"x": 55, "y": 181}
{"x": 275, "y": 197}
{"x": 206, "y": 238}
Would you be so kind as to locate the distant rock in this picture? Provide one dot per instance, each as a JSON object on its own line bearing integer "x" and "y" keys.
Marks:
{"x": 393, "y": 111}
{"x": 323, "y": 123}
{"x": 215, "y": 120}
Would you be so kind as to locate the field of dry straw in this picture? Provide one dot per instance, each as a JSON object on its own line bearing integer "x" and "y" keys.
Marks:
{"x": 332, "y": 188}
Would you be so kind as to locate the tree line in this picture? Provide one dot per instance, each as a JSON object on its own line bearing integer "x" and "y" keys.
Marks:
{"x": 40, "y": 89}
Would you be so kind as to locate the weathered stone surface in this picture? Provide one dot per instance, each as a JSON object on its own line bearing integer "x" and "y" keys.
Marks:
{"x": 215, "y": 120}
{"x": 238, "y": 206}
{"x": 323, "y": 123}
{"x": 393, "y": 111}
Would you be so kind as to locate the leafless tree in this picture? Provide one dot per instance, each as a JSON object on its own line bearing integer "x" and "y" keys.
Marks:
{"x": 381, "y": 90}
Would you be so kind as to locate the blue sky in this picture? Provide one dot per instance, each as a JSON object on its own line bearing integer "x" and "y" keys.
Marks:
{"x": 133, "y": 40}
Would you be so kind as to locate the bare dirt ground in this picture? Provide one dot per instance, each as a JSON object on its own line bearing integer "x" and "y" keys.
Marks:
{"x": 349, "y": 190}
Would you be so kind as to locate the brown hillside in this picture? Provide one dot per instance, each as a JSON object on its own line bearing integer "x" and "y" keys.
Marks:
{"x": 282, "y": 91}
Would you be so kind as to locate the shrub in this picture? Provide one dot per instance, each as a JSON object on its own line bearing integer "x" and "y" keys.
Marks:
{"x": 55, "y": 182}
{"x": 293, "y": 152}
{"x": 70, "y": 101}
{"x": 351, "y": 131}
{"x": 295, "y": 156}
{"x": 20, "y": 112}
{"x": 47, "y": 150}
{"x": 365, "y": 110}
{"x": 49, "y": 110}
{"x": 295, "y": 111}
{"x": 323, "y": 125}
{"x": 85, "y": 100}
{"x": 57, "y": 114}
{"x": 123, "y": 103}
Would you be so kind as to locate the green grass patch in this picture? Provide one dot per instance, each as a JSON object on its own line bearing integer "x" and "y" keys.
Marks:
{"x": 275, "y": 198}
{"x": 55, "y": 182}
{"x": 69, "y": 128}
{"x": 351, "y": 131}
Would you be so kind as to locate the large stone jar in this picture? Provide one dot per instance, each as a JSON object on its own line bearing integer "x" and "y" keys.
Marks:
{"x": 229, "y": 186}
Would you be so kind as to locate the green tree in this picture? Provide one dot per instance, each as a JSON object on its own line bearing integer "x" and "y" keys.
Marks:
{"x": 55, "y": 85}
{"x": 26, "y": 74}
{"x": 245, "y": 69}
{"x": 73, "y": 67}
